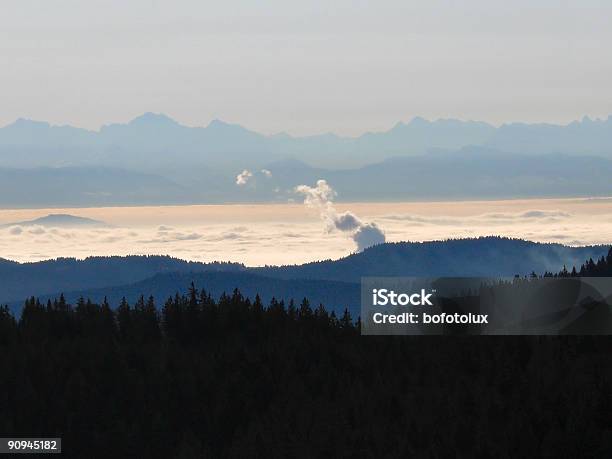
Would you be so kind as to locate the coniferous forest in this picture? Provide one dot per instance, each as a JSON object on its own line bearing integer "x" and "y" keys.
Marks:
{"x": 231, "y": 377}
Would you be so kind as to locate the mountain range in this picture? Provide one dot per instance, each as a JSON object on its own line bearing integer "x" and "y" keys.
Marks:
{"x": 86, "y": 186}
{"x": 155, "y": 160}
{"x": 165, "y": 140}
{"x": 471, "y": 173}
{"x": 334, "y": 283}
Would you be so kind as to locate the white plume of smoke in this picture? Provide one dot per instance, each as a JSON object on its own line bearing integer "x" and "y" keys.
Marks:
{"x": 321, "y": 197}
{"x": 243, "y": 177}
{"x": 267, "y": 173}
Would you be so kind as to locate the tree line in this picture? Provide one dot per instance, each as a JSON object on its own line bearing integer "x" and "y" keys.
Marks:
{"x": 600, "y": 268}
{"x": 199, "y": 376}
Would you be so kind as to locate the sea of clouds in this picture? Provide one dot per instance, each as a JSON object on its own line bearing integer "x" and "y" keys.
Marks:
{"x": 287, "y": 234}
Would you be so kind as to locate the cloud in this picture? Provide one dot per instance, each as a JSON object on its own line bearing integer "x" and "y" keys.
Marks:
{"x": 292, "y": 234}
{"x": 499, "y": 218}
{"x": 321, "y": 198}
{"x": 186, "y": 237}
{"x": 229, "y": 236}
{"x": 243, "y": 178}
{"x": 528, "y": 214}
{"x": 266, "y": 172}
{"x": 368, "y": 235}
{"x": 417, "y": 219}
{"x": 280, "y": 235}
{"x": 347, "y": 221}
{"x": 36, "y": 230}
{"x": 225, "y": 236}
{"x": 164, "y": 237}
{"x": 110, "y": 239}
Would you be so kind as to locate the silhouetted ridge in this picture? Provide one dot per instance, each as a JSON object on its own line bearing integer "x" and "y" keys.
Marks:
{"x": 478, "y": 257}
{"x": 131, "y": 276}
{"x": 70, "y": 274}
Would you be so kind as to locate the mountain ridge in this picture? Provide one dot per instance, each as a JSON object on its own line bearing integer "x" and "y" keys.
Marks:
{"x": 470, "y": 173}
{"x": 495, "y": 255}
{"x": 159, "y": 133}
{"x": 155, "y": 159}
{"x": 157, "y": 118}
{"x": 131, "y": 276}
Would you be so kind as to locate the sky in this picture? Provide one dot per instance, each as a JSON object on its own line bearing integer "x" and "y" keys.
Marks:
{"x": 304, "y": 67}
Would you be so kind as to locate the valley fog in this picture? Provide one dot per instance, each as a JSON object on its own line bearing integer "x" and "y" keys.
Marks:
{"x": 292, "y": 233}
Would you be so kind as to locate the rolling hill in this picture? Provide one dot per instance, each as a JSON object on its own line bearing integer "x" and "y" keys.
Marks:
{"x": 333, "y": 282}
{"x": 481, "y": 257}
{"x": 60, "y": 220}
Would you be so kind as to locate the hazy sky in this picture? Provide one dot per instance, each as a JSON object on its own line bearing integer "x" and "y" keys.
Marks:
{"x": 304, "y": 67}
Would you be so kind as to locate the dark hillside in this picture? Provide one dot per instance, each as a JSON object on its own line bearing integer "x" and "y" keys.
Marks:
{"x": 486, "y": 256}
{"x": 19, "y": 280}
{"x": 334, "y": 294}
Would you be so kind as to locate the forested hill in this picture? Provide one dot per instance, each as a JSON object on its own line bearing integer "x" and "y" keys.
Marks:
{"x": 335, "y": 295}
{"x": 486, "y": 256}
{"x": 19, "y": 280}
{"x": 132, "y": 276}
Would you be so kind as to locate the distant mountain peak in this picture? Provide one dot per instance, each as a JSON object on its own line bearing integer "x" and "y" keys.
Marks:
{"x": 220, "y": 127}
{"x": 419, "y": 121}
{"x": 398, "y": 126}
{"x": 281, "y": 136}
{"x": 62, "y": 220}
{"x": 153, "y": 118}
{"x": 217, "y": 124}
{"x": 27, "y": 123}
